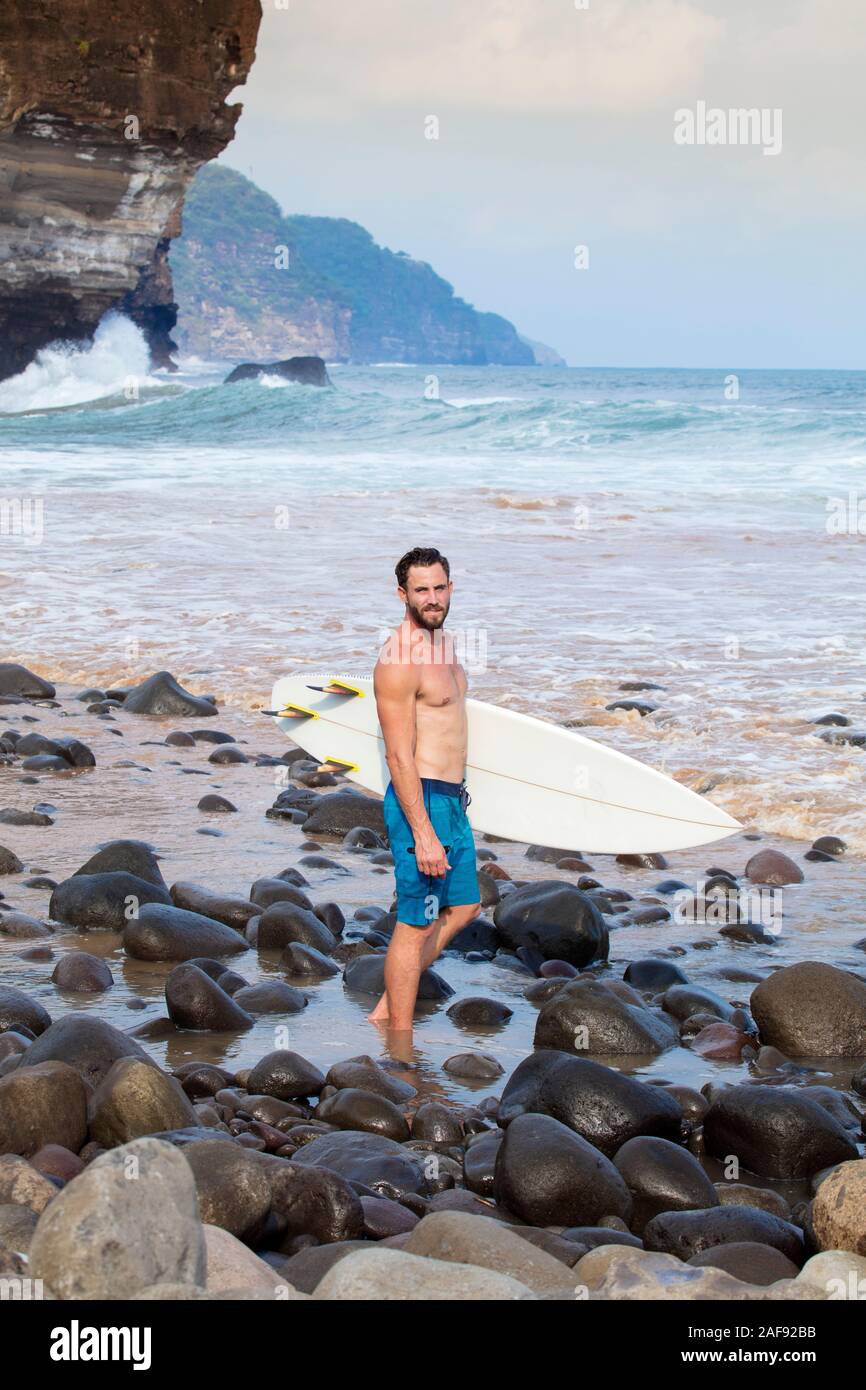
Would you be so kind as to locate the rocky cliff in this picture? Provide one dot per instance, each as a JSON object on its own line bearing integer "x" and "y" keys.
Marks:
{"x": 254, "y": 283}
{"x": 107, "y": 110}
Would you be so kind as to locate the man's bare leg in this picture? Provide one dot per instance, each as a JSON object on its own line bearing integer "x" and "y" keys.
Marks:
{"x": 410, "y": 951}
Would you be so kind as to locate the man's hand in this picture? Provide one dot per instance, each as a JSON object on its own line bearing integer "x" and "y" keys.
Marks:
{"x": 430, "y": 856}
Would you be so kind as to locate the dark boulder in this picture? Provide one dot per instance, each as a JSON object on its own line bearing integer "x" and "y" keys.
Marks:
{"x": 103, "y": 901}
{"x": 556, "y": 919}
{"x": 688, "y": 1233}
{"x": 549, "y": 1176}
{"x": 604, "y": 1106}
{"x": 169, "y": 933}
{"x": 305, "y": 371}
{"x": 588, "y": 1016}
{"x": 125, "y": 856}
{"x": 195, "y": 1001}
{"x": 87, "y": 1044}
{"x": 161, "y": 694}
{"x": 776, "y": 1132}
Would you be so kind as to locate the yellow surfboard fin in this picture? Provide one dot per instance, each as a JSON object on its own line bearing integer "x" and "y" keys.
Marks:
{"x": 297, "y": 712}
{"x": 336, "y": 686}
{"x": 338, "y": 765}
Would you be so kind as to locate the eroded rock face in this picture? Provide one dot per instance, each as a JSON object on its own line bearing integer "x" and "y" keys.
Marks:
{"x": 106, "y": 114}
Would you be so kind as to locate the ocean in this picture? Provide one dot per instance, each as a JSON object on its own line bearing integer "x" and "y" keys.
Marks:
{"x": 604, "y": 527}
{"x": 701, "y": 530}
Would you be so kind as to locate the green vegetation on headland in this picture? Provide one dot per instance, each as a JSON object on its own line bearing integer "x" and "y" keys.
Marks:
{"x": 251, "y": 282}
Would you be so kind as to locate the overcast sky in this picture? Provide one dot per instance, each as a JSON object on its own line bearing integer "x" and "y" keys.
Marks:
{"x": 556, "y": 130}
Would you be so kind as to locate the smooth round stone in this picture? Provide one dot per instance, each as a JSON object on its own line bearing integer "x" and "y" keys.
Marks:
{"x": 80, "y": 972}
{"x": 136, "y": 1098}
{"x": 479, "y": 1162}
{"x": 438, "y": 1124}
{"x": 371, "y": 1159}
{"x": 125, "y": 856}
{"x": 476, "y": 1011}
{"x": 652, "y": 974}
{"x": 179, "y": 739}
{"x": 365, "y": 1074}
{"x": 477, "y": 1066}
{"x": 286, "y": 1075}
{"x": 548, "y": 1176}
{"x": 383, "y": 1218}
{"x": 812, "y": 1010}
{"x": 270, "y": 997}
{"x": 22, "y": 926}
{"x": 352, "y": 1108}
{"x": 196, "y": 1001}
{"x": 662, "y": 1176}
{"x": 305, "y": 962}
{"x": 165, "y": 932}
{"x": 688, "y": 1233}
{"x": 228, "y": 754}
{"x": 748, "y": 1261}
{"x": 283, "y": 922}
{"x": 88, "y": 1044}
{"x": 201, "y": 1078}
{"x": 366, "y": 975}
{"x": 775, "y": 1132}
{"x": 232, "y": 911}
{"x": 212, "y": 802}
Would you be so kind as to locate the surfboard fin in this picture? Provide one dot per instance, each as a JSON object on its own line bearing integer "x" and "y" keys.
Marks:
{"x": 336, "y": 686}
{"x": 292, "y": 712}
{"x": 338, "y": 765}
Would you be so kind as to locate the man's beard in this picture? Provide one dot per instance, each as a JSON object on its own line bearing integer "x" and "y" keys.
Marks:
{"x": 430, "y": 621}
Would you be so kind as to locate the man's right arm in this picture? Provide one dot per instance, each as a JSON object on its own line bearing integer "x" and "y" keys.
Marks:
{"x": 396, "y": 689}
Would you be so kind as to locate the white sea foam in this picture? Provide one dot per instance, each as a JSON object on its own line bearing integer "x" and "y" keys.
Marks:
{"x": 117, "y": 362}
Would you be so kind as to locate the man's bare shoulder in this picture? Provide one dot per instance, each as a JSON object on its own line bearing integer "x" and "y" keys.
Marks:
{"x": 393, "y": 674}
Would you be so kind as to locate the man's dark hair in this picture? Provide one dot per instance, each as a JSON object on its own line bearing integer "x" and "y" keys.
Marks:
{"x": 419, "y": 556}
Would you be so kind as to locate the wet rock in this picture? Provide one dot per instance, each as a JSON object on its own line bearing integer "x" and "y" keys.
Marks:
{"x": 314, "y": 1201}
{"x": 161, "y": 694}
{"x": 688, "y": 1233}
{"x": 233, "y": 912}
{"x": 839, "y": 1209}
{"x": 306, "y": 371}
{"x": 102, "y": 901}
{"x": 365, "y": 1074}
{"x": 371, "y": 1159}
{"x": 352, "y": 1108}
{"x": 650, "y": 974}
{"x": 227, "y": 755}
{"x": 196, "y": 1001}
{"x": 89, "y": 1045}
{"x": 232, "y": 1185}
{"x": 18, "y": 1009}
{"x": 741, "y": 1194}
{"x": 548, "y": 1175}
{"x": 45, "y": 1104}
{"x": 476, "y": 1011}
{"x": 212, "y": 802}
{"x": 284, "y": 922}
{"x": 830, "y": 844}
{"x": 437, "y": 1124}
{"x": 271, "y": 997}
{"x": 21, "y": 926}
{"x": 17, "y": 680}
{"x": 662, "y": 1176}
{"x": 812, "y": 1010}
{"x": 104, "y": 1237}
{"x": 554, "y": 918}
{"x": 80, "y": 973}
{"x": 125, "y": 856}
{"x": 683, "y": 1001}
{"x": 305, "y": 962}
{"x": 286, "y": 1075}
{"x": 366, "y": 975}
{"x": 604, "y": 1106}
{"x": 265, "y": 892}
{"x": 720, "y": 1042}
{"x": 163, "y": 932}
{"x": 17, "y": 1225}
{"x": 134, "y": 1099}
{"x": 587, "y": 1016}
{"x": 305, "y": 1270}
{"x": 638, "y": 1275}
{"x": 340, "y": 812}
{"x": 775, "y": 1132}
{"x": 9, "y": 862}
{"x": 476, "y": 1066}
{"x": 773, "y": 867}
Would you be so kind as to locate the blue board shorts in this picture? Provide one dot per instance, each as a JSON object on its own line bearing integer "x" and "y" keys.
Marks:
{"x": 421, "y": 897}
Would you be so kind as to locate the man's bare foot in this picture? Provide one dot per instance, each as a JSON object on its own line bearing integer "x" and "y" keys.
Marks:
{"x": 380, "y": 1013}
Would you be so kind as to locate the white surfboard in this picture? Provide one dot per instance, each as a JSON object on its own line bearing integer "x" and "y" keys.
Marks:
{"x": 529, "y": 780}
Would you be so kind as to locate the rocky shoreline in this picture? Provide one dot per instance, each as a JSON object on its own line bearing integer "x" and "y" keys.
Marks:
{"x": 579, "y": 1172}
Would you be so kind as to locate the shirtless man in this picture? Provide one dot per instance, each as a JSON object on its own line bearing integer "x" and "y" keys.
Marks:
{"x": 421, "y": 700}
